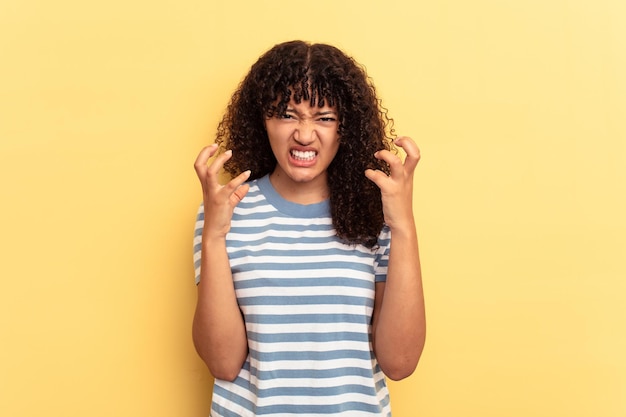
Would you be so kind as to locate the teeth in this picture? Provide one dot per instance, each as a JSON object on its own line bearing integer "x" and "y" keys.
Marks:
{"x": 305, "y": 156}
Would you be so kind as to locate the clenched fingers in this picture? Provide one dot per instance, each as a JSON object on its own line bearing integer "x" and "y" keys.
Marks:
{"x": 208, "y": 174}
{"x": 200, "y": 165}
{"x": 400, "y": 171}
{"x": 411, "y": 150}
{"x": 237, "y": 186}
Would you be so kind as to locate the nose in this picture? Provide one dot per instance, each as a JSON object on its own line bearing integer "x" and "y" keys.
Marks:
{"x": 305, "y": 133}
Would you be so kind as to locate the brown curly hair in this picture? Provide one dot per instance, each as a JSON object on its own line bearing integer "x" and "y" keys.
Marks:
{"x": 321, "y": 74}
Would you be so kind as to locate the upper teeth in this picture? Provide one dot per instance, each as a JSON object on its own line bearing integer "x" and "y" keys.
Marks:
{"x": 303, "y": 155}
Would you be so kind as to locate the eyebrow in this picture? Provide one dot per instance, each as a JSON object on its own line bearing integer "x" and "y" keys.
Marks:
{"x": 319, "y": 113}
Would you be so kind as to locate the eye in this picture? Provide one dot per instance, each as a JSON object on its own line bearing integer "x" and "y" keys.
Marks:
{"x": 327, "y": 119}
{"x": 285, "y": 116}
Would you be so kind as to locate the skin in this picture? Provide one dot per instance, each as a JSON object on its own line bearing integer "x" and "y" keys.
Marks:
{"x": 308, "y": 130}
{"x": 398, "y": 321}
{"x": 218, "y": 330}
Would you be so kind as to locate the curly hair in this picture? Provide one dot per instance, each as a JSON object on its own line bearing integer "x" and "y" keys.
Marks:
{"x": 321, "y": 74}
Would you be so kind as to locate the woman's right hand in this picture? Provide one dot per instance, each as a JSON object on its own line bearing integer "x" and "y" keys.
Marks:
{"x": 219, "y": 332}
{"x": 219, "y": 200}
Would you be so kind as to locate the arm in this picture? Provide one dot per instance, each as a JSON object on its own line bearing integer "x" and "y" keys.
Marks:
{"x": 399, "y": 323}
{"x": 218, "y": 330}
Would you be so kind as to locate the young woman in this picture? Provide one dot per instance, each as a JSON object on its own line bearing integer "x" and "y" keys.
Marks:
{"x": 307, "y": 263}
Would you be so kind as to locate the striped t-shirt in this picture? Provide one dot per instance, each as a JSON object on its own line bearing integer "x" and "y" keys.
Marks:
{"x": 307, "y": 300}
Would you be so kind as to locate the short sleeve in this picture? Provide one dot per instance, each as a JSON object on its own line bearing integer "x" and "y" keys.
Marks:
{"x": 197, "y": 242}
{"x": 382, "y": 255}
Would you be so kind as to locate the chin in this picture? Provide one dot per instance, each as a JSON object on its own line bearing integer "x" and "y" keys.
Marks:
{"x": 297, "y": 173}
{"x": 303, "y": 178}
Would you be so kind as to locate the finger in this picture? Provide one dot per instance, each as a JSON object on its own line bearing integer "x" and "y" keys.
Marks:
{"x": 412, "y": 151}
{"x": 241, "y": 192}
{"x": 207, "y": 152}
{"x": 236, "y": 182}
{"x": 376, "y": 176}
{"x": 218, "y": 163}
{"x": 394, "y": 161}
{"x": 237, "y": 187}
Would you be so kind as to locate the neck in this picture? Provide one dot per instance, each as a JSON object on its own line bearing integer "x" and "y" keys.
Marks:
{"x": 306, "y": 192}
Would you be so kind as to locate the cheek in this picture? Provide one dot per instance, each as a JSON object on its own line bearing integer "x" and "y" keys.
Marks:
{"x": 278, "y": 139}
{"x": 278, "y": 131}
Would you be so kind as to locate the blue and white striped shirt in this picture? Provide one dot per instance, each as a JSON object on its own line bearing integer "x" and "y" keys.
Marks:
{"x": 307, "y": 300}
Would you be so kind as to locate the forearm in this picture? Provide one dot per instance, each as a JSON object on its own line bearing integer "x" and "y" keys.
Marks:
{"x": 400, "y": 327}
{"x": 219, "y": 333}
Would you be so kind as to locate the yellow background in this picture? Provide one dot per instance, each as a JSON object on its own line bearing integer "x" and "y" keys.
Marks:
{"x": 519, "y": 108}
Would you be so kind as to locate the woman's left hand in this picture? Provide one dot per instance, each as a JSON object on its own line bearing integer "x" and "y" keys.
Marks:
{"x": 397, "y": 188}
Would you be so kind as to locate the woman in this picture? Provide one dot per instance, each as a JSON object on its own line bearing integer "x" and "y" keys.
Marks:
{"x": 307, "y": 264}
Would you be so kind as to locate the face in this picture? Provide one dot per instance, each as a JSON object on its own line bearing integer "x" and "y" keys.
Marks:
{"x": 304, "y": 140}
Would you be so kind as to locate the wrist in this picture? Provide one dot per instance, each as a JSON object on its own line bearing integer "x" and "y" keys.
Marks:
{"x": 403, "y": 230}
{"x": 211, "y": 237}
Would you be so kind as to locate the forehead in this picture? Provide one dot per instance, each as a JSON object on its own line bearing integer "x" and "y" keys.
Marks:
{"x": 305, "y": 107}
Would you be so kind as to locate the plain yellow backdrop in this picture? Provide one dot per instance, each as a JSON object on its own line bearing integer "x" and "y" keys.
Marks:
{"x": 519, "y": 108}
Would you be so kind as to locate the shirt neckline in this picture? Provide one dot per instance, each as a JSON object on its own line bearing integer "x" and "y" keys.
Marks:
{"x": 321, "y": 209}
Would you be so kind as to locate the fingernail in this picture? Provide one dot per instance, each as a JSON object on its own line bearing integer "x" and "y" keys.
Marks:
{"x": 228, "y": 152}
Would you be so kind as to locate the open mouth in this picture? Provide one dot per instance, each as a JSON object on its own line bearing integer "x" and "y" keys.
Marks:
{"x": 303, "y": 155}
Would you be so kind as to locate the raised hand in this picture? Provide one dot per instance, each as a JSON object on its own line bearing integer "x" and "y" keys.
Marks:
{"x": 397, "y": 188}
{"x": 219, "y": 200}
{"x": 398, "y": 323}
{"x": 219, "y": 332}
